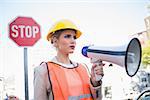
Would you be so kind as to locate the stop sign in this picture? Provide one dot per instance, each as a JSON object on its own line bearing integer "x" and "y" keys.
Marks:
{"x": 24, "y": 31}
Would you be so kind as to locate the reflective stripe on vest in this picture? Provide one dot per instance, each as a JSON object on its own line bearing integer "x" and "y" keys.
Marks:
{"x": 79, "y": 97}
{"x": 60, "y": 86}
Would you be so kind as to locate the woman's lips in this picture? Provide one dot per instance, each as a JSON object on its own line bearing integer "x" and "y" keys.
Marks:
{"x": 72, "y": 47}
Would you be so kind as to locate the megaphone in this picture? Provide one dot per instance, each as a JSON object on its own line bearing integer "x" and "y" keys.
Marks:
{"x": 128, "y": 55}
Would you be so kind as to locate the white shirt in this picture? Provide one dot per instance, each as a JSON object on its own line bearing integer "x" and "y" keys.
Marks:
{"x": 74, "y": 64}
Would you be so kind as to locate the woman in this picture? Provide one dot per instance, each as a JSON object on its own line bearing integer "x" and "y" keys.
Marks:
{"x": 61, "y": 78}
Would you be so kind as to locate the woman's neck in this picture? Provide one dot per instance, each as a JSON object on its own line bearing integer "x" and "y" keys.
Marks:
{"x": 63, "y": 58}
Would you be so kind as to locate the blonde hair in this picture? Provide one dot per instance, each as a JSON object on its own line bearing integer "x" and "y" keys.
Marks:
{"x": 57, "y": 34}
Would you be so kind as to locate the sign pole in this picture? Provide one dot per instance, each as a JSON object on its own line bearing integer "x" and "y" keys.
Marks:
{"x": 26, "y": 73}
{"x": 25, "y": 32}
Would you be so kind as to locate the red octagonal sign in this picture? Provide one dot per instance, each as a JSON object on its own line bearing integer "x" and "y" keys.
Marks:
{"x": 24, "y": 31}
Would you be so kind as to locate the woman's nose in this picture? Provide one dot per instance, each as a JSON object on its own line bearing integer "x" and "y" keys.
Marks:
{"x": 73, "y": 40}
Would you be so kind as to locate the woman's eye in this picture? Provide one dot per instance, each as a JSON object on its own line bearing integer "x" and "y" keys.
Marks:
{"x": 74, "y": 37}
{"x": 67, "y": 36}
{"x": 70, "y": 36}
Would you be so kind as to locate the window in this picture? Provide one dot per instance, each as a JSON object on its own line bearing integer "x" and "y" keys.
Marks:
{"x": 108, "y": 92}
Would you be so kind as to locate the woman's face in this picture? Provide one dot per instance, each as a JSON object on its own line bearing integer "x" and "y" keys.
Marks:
{"x": 66, "y": 42}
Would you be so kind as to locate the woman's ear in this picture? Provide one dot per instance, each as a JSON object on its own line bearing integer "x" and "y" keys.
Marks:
{"x": 54, "y": 40}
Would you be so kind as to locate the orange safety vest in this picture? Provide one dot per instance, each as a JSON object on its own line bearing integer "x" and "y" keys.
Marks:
{"x": 60, "y": 87}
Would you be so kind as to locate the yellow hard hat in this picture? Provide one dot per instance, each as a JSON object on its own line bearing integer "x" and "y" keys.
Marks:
{"x": 63, "y": 24}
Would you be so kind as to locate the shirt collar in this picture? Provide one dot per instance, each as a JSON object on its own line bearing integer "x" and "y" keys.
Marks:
{"x": 74, "y": 64}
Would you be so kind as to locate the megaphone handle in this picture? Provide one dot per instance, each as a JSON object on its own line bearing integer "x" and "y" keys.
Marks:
{"x": 98, "y": 77}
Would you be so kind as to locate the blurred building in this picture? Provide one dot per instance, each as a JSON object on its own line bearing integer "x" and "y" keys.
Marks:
{"x": 144, "y": 35}
{"x": 147, "y": 23}
{"x": 1, "y": 87}
{"x": 143, "y": 79}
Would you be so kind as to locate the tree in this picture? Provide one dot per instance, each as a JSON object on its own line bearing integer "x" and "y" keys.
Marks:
{"x": 146, "y": 55}
{"x": 148, "y": 7}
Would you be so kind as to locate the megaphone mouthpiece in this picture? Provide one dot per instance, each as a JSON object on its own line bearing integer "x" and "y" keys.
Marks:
{"x": 84, "y": 51}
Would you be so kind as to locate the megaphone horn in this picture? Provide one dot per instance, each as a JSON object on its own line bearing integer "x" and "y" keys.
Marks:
{"x": 128, "y": 55}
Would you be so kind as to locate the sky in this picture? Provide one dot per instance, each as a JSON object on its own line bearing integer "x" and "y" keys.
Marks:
{"x": 102, "y": 22}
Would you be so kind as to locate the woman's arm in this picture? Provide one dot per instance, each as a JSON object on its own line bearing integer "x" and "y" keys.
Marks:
{"x": 95, "y": 86}
{"x": 96, "y": 90}
{"x": 97, "y": 71}
{"x": 41, "y": 82}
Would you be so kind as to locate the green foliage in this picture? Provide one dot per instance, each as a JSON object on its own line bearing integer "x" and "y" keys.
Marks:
{"x": 146, "y": 54}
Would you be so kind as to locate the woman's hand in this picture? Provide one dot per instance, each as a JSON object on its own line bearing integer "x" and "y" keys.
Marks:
{"x": 97, "y": 74}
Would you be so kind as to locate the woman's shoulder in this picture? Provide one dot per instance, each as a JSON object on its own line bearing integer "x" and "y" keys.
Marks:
{"x": 41, "y": 68}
